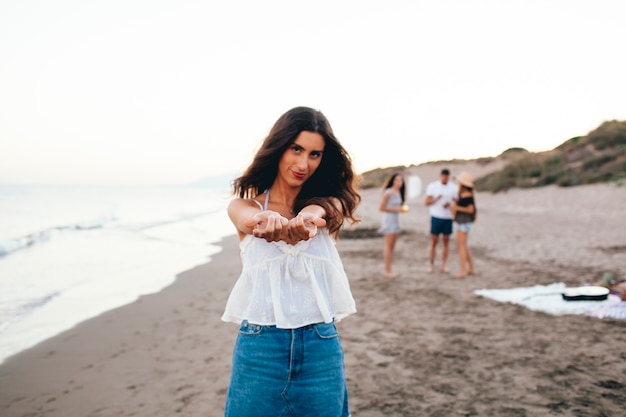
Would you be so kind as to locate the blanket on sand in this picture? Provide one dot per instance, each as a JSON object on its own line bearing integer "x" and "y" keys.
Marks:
{"x": 548, "y": 299}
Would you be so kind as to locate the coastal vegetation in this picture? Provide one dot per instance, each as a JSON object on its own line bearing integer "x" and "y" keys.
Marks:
{"x": 600, "y": 156}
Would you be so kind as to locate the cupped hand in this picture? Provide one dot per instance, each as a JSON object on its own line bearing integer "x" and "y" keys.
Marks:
{"x": 303, "y": 227}
{"x": 269, "y": 225}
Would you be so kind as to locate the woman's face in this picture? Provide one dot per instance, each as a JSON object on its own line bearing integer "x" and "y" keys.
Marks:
{"x": 397, "y": 182}
{"x": 301, "y": 159}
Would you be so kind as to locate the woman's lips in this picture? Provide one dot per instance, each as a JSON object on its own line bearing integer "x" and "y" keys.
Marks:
{"x": 298, "y": 175}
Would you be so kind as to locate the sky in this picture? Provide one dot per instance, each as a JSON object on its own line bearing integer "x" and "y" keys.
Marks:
{"x": 166, "y": 92}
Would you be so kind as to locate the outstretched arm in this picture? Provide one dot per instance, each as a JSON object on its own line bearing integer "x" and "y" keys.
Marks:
{"x": 304, "y": 226}
{"x": 250, "y": 219}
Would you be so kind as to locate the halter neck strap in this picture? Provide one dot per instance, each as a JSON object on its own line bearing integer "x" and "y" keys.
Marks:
{"x": 267, "y": 199}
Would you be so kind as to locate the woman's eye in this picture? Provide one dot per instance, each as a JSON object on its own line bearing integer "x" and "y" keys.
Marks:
{"x": 316, "y": 154}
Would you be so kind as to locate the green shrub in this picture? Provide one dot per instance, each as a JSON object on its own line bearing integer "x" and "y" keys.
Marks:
{"x": 599, "y": 156}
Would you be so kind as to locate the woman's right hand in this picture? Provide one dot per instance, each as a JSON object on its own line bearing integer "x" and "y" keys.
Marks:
{"x": 269, "y": 225}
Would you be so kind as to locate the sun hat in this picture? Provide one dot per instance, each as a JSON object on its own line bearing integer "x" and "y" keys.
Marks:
{"x": 466, "y": 179}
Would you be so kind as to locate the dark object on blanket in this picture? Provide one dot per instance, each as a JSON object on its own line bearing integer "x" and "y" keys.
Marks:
{"x": 589, "y": 293}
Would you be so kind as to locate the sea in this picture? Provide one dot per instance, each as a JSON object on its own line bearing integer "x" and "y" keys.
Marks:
{"x": 70, "y": 253}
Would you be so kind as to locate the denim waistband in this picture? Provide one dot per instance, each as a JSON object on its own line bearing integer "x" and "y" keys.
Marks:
{"x": 273, "y": 326}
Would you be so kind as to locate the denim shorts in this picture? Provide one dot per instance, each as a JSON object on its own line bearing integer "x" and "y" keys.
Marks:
{"x": 287, "y": 373}
{"x": 440, "y": 226}
{"x": 464, "y": 227}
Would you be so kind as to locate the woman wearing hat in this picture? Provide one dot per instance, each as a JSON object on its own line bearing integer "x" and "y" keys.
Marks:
{"x": 465, "y": 214}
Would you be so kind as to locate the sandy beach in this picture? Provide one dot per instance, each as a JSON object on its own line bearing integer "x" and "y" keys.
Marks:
{"x": 420, "y": 345}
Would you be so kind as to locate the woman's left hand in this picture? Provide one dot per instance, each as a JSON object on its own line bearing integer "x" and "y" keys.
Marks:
{"x": 303, "y": 227}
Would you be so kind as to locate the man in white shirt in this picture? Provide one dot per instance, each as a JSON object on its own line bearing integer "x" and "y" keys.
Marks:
{"x": 439, "y": 198}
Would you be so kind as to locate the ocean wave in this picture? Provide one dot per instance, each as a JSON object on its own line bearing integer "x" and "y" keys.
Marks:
{"x": 13, "y": 245}
{"x": 19, "y": 311}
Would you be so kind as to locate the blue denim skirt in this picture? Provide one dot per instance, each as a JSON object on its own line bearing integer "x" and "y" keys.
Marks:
{"x": 287, "y": 373}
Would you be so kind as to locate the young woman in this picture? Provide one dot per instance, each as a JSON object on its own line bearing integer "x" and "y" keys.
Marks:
{"x": 391, "y": 204}
{"x": 465, "y": 213}
{"x": 292, "y": 201}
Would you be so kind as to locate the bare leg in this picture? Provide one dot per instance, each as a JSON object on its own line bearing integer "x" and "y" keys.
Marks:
{"x": 444, "y": 253}
{"x": 432, "y": 252}
{"x": 390, "y": 244}
{"x": 461, "y": 243}
{"x": 470, "y": 261}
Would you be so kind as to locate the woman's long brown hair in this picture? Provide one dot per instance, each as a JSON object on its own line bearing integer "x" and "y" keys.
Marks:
{"x": 333, "y": 178}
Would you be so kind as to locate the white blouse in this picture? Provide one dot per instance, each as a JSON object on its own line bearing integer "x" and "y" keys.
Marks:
{"x": 290, "y": 286}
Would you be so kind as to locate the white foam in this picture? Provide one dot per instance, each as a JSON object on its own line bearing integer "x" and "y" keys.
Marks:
{"x": 134, "y": 242}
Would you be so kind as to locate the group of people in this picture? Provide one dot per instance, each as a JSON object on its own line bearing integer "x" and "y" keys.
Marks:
{"x": 448, "y": 203}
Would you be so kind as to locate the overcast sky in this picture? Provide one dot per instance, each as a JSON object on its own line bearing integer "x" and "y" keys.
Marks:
{"x": 167, "y": 92}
